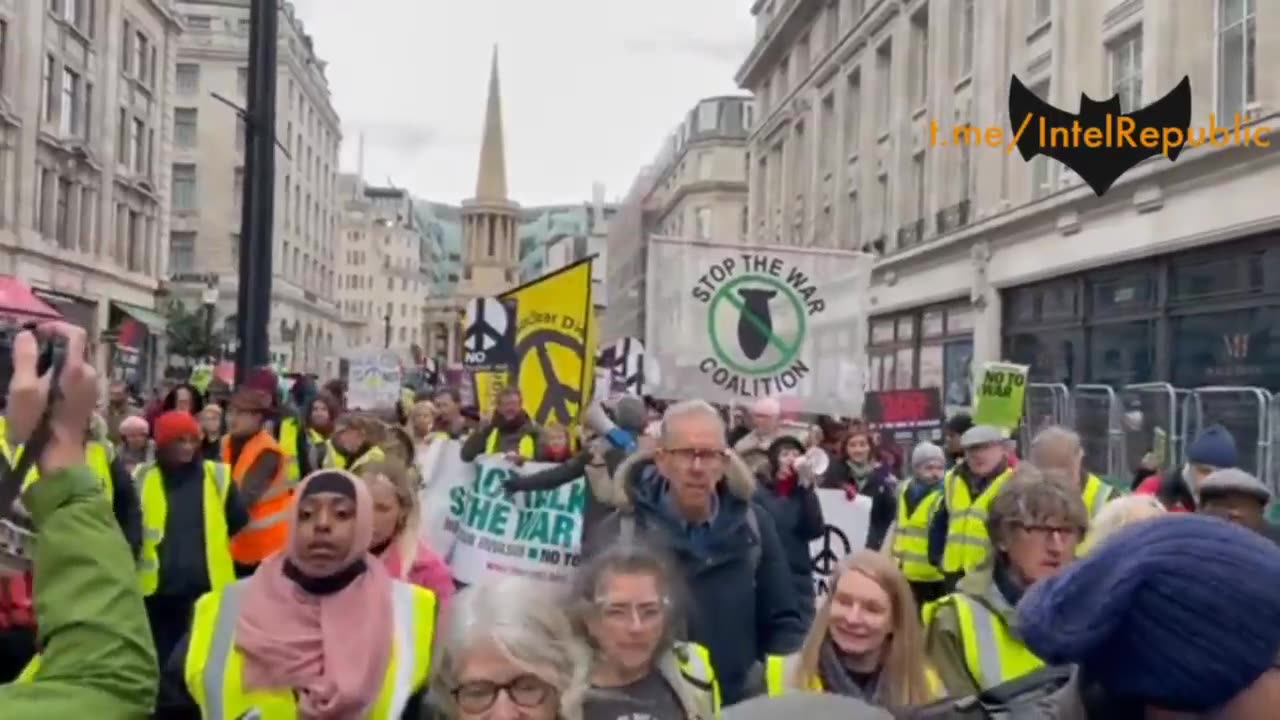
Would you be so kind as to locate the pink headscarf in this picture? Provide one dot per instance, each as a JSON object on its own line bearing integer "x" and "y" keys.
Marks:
{"x": 333, "y": 649}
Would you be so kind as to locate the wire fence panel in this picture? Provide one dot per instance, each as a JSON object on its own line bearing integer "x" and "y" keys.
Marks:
{"x": 1150, "y": 424}
{"x": 1242, "y": 411}
{"x": 1095, "y": 411}
{"x": 1046, "y": 404}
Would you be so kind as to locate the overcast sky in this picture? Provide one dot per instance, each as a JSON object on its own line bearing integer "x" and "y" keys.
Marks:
{"x": 590, "y": 87}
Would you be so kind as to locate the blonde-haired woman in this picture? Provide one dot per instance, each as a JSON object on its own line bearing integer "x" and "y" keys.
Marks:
{"x": 865, "y": 641}
{"x": 396, "y": 542}
{"x": 507, "y": 650}
{"x": 1119, "y": 513}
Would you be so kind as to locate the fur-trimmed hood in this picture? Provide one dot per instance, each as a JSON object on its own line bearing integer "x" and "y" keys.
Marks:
{"x": 619, "y": 490}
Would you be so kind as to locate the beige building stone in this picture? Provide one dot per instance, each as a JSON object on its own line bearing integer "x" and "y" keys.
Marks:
{"x": 212, "y": 63}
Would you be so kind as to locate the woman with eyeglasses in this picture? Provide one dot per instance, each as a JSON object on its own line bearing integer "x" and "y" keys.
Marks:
{"x": 1035, "y": 523}
{"x": 625, "y": 606}
{"x": 507, "y": 651}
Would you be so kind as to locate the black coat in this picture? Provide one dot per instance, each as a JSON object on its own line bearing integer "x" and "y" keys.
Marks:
{"x": 798, "y": 517}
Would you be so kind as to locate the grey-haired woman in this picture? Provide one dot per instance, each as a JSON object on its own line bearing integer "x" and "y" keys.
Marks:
{"x": 626, "y": 606}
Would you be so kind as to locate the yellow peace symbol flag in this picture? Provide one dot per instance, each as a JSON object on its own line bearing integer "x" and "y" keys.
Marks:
{"x": 555, "y": 359}
{"x": 487, "y": 384}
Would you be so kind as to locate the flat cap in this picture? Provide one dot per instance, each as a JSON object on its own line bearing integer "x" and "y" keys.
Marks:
{"x": 979, "y": 435}
{"x": 1234, "y": 481}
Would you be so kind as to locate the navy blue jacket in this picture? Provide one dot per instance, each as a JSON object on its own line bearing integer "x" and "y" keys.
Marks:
{"x": 741, "y": 601}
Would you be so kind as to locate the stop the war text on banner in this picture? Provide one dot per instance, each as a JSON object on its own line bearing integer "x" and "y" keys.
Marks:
{"x": 534, "y": 535}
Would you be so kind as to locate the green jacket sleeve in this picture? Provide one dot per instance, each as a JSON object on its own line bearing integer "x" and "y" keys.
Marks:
{"x": 945, "y": 649}
{"x": 98, "y": 657}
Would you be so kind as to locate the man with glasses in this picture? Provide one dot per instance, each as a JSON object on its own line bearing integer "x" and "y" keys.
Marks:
{"x": 692, "y": 497}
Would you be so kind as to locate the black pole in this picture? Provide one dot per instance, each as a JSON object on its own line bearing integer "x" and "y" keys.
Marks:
{"x": 253, "y": 312}
{"x": 386, "y": 331}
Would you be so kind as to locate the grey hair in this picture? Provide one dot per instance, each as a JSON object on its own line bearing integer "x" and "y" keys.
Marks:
{"x": 1032, "y": 496}
{"x": 689, "y": 408}
{"x": 632, "y": 558}
{"x": 528, "y": 625}
{"x": 1121, "y": 512}
{"x": 1054, "y": 436}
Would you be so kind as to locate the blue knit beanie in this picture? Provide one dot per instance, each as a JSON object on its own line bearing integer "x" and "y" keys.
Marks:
{"x": 1180, "y": 612}
{"x": 1215, "y": 447}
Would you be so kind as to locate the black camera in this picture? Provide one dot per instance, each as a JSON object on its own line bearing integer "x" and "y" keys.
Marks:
{"x": 53, "y": 353}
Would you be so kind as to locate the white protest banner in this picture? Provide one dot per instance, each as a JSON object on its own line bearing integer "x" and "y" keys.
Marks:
{"x": 847, "y": 524}
{"x": 441, "y": 469}
{"x": 373, "y": 380}
{"x": 533, "y": 535}
{"x": 746, "y": 322}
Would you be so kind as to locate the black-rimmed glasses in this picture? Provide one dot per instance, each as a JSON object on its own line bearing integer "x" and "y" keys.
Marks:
{"x": 476, "y": 696}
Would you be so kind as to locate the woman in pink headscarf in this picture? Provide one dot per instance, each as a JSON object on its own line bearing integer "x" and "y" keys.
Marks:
{"x": 318, "y": 632}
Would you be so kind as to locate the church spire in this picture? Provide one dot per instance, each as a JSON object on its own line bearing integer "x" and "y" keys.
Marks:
{"x": 491, "y": 184}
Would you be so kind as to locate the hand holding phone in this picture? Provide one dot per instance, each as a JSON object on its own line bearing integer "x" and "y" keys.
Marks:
{"x": 61, "y": 384}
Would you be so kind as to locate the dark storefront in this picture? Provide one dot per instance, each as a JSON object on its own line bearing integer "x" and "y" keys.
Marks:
{"x": 1204, "y": 317}
{"x": 929, "y": 347}
{"x": 133, "y": 338}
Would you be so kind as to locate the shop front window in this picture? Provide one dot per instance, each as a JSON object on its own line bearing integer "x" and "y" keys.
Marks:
{"x": 1122, "y": 354}
{"x": 957, "y": 362}
{"x": 1237, "y": 347}
{"x": 1051, "y": 355}
{"x": 932, "y": 374}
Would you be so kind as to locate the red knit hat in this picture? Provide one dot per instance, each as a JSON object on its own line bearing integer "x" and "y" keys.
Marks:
{"x": 175, "y": 425}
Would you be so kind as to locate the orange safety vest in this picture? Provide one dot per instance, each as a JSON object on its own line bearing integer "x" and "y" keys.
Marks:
{"x": 268, "y": 528}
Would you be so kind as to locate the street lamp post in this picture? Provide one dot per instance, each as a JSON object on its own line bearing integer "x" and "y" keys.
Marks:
{"x": 386, "y": 331}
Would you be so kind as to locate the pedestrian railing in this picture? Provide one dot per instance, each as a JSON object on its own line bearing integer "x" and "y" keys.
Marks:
{"x": 1245, "y": 412}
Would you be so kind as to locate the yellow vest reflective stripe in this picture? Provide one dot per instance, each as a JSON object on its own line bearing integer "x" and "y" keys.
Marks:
{"x": 526, "y": 449}
{"x": 1095, "y": 494}
{"x": 992, "y": 654}
{"x": 694, "y": 661}
{"x": 335, "y": 459}
{"x": 155, "y": 512}
{"x": 779, "y": 668}
{"x": 96, "y": 455}
{"x": 213, "y": 666}
{"x": 967, "y": 542}
{"x": 911, "y": 536}
{"x": 289, "y": 444}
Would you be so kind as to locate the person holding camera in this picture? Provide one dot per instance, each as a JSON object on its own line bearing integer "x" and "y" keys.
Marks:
{"x": 97, "y": 654}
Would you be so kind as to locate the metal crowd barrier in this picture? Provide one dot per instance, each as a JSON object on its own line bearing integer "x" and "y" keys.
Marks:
{"x": 1118, "y": 427}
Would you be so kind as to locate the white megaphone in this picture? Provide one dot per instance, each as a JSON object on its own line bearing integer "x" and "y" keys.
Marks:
{"x": 813, "y": 463}
{"x": 598, "y": 420}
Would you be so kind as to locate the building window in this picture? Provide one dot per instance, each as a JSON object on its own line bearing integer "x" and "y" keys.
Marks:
{"x": 240, "y": 143}
{"x": 1041, "y": 12}
{"x": 886, "y": 205}
{"x": 68, "y": 120}
{"x": 184, "y": 187}
{"x": 854, "y": 221}
{"x": 4, "y": 54}
{"x": 1041, "y": 171}
{"x": 237, "y": 191}
{"x": 142, "y": 71}
{"x": 920, "y": 57}
{"x": 62, "y": 213}
{"x": 1125, "y": 59}
{"x": 708, "y": 116}
{"x": 182, "y": 252}
{"x": 50, "y": 99}
{"x": 185, "y": 128}
{"x": 187, "y": 78}
{"x": 137, "y": 146}
{"x": 852, "y": 113}
{"x": 242, "y": 81}
{"x": 1237, "y": 49}
{"x": 884, "y": 86}
{"x": 918, "y": 176}
{"x": 702, "y": 223}
{"x": 962, "y": 47}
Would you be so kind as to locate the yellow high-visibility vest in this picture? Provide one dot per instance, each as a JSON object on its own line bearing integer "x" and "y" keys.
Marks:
{"x": 97, "y": 456}
{"x": 778, "y": 670}
{"x": 694, "y": 662}
{"x": 1095, "y": 494}
{"x": 527, "y": 448}
{"x": 336, "y": 460}
{"x": 968, "y": 545}
{"x": 213, "y": 667}
{"x": 911, "y": 536}
{"x": 992, "y": 654}
{"x": 289, "y": 444}
{"x": 155, "y": 512}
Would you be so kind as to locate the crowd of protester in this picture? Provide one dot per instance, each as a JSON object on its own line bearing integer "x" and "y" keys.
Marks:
{"x": 246, "y": 553}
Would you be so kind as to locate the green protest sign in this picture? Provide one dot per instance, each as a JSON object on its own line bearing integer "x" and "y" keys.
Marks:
{"x": 534, "y": 534}
{"x": 1000, "y": 395}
